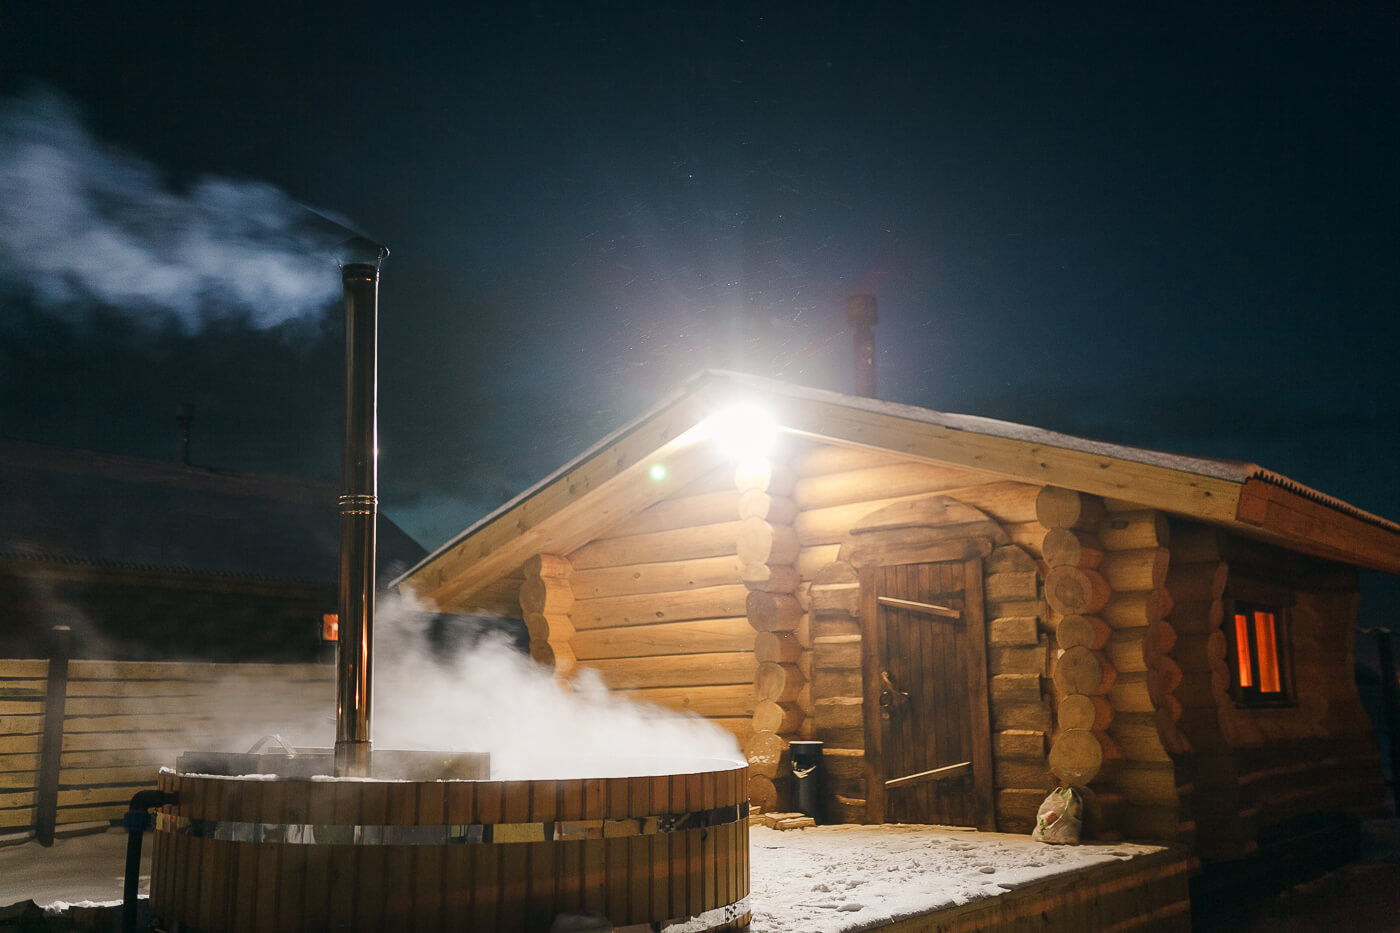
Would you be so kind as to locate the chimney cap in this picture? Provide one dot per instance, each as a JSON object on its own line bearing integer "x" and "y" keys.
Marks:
{"x": 359, "y": 251}
{"x": 860, "y": 311}
{"x": 333, "y": 235}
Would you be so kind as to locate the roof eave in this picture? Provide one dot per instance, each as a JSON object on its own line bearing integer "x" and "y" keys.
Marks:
{"x": 607, "y": 482}
{"x": 1288, "y": 517}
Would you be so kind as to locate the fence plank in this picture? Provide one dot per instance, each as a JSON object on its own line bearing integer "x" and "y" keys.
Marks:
{"x": 128, "y": 719}
{"x": 19, "y": 744}
{"x": 56, "y": 695}
{"x": 22, "y": 817}
{"x": 122, "y": 774}
{"x": 112, "y": 812}
{"x": 18, "y": 762}
{"x": 37, "y": 668}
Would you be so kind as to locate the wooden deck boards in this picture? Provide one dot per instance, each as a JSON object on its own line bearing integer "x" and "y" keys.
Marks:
{"x": 1148, "y": 894}
{"x": 907, "y": 879}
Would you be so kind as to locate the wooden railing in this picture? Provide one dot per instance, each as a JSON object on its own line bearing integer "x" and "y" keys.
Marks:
{"x": 122, "y": 721}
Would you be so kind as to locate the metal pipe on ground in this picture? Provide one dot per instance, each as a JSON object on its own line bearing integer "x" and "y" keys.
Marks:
{"x": 136, "y": 821}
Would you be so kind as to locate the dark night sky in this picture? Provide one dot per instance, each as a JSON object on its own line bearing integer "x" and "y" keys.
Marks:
{"x": 1176, "y": 228}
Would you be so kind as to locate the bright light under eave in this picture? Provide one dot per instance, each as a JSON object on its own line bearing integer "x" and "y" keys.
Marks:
{"x": 744, "y": 432}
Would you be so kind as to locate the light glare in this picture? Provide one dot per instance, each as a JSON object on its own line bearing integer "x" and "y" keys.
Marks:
{"x": 744, "y": 432}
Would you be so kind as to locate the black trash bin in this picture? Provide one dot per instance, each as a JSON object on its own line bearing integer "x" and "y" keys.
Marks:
{"x": 806, "y": 769}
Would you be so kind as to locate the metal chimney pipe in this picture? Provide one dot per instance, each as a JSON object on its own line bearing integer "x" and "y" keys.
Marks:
{"x": 359, "y": 507}
{"x": 861, "y": 317}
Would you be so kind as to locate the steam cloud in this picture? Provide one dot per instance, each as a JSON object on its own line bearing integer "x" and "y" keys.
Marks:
{"x": 493, "y": 699}
{"x": 486, "y": 698}
{"x": 82, "y": 222}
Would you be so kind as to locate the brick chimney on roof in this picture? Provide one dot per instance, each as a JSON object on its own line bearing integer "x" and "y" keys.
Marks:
{"x": 861, "y": 318}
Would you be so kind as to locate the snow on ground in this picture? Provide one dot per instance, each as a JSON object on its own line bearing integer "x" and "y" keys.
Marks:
{"x": 825, "y": 879}
{"x": 835, "y": 879}
{"x": 76, "y": 869}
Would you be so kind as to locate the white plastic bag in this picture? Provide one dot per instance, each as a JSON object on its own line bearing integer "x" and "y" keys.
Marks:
{"x": 1060, "y": 817}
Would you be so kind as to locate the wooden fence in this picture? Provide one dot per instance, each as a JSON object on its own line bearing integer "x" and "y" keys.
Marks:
{"x": 112, "y": 725}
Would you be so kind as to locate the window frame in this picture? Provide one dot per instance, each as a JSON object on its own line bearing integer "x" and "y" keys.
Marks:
{"x": 1252, "y": 696}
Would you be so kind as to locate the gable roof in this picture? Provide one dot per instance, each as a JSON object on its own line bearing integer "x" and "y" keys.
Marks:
{"x": 107, "y": 510}
{"x": 609, "y": 481}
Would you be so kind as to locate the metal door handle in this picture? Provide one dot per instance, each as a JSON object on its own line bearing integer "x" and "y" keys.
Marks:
{"x": 891, "y": 697}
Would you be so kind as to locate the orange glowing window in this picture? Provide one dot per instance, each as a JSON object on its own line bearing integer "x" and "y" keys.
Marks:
{"x": 1244, "y": 658}
{"x": 330, "y": 626}
{"x": 1255, "y": 643}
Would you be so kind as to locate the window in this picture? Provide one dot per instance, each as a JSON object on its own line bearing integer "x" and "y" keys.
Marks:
{"x": 1256, "y": 636}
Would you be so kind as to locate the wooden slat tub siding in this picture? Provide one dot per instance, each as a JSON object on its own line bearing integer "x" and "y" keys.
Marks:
{"x": 247, "y": 890}
{"x": 221, "y": 885}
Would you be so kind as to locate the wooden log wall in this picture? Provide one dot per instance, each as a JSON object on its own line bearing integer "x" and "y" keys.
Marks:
{"x": 835, "y": 488}
{"x": 1136, "y": 564}
{"x": 838, "y": 690}
{"x": 659, "y": 607}
{"x": 125, "y": 720}
{"x": 546, "y": 603}
{"x": 1083, "y": 754}
{"x": 782, "y": 694}
{"x": 1018, "y": 667}
{"x": 1254, "y": 769}
{"x": 1209, "y": 780}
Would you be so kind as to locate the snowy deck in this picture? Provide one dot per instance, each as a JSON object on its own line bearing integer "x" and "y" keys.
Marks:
{"x": 828, "y": 879}
{"x": 834, "y": 879}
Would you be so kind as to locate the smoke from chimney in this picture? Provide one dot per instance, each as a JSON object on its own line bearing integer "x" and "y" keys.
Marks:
{"x": 84, "y": 222}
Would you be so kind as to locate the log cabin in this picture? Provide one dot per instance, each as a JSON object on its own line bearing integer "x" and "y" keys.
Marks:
{"x": 966, "y": 613}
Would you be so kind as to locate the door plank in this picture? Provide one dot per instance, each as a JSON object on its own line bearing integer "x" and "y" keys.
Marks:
{"x": 937, "y": 774}
{"x": 976, "y": 668}
{"x": 943, "y": 612}
{"x": 870, "y": 675}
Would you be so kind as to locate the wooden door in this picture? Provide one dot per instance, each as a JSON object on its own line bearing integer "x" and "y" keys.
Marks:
{"x": 926, "y": 677}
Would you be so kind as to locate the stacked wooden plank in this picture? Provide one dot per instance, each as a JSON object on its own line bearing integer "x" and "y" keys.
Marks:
{"x": 838, "y": 689}
{"x": 782, "y": 630}
{"x": 1078, "y": 594}
{"x": 1210, "y": 788}
{"x": 1248, "y": 771}
{"x": 1018, "y": 662}
{"x": 124, "y": 720}
{"x": 1137, "y": 563}
{"x": 22, "y": 692}
{"x": 659, "y": 607}
{"x": 546, "y": 603}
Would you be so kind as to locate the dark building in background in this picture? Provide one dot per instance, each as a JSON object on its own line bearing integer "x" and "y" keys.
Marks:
{"x": 162, "y": 560}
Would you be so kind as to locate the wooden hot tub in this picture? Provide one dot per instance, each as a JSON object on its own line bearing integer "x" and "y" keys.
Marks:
{"x": 263, "y": 853}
